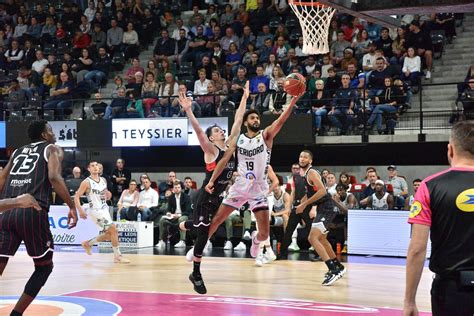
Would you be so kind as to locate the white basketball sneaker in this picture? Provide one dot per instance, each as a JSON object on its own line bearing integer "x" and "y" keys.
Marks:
{"x": 255, "y": 248}
{"x": 228, "y": 245}
{"x": 180, "y": 244}
{"x": 240, "y": 247}
{"x": 190, "y": 255}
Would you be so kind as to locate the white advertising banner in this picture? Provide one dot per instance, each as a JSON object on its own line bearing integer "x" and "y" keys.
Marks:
{"x": 84, "y": 230}
{"x": 205, "y": 122}
{"x": 149, "y": 132}
{"x": 66, "y": 133}
{"x": 133, "y": 235}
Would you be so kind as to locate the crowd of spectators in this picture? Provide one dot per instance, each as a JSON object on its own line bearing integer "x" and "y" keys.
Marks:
{"x": 170, "y": 202}
{"x": 58, "y": 54}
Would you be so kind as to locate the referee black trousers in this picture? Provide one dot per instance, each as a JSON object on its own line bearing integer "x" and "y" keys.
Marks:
{"x": 449, "y": 299}
{"x": 293, "y": 222}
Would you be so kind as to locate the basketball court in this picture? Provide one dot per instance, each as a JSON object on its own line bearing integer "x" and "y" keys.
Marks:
{"x": 158, "y": 285}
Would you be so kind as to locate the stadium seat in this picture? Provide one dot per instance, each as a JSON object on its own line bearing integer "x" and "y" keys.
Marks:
{"x": 357, "y": 188}
{"x": 389, "y": 188}
{"x": 15, "y": 116}
{"x": 31, "y": 115}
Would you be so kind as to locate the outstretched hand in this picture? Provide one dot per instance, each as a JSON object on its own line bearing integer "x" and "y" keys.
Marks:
{"x": 246, "y": 90}
{"x": 295, "y": 99}
{"x": 184, "y": 101}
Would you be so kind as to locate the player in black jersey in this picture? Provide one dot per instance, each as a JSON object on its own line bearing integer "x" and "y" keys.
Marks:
{"x": 214, "y": 145}
{"x": 32, "y": 169}
{"x": 443, "y": 211}
{"x": 316, "y": 194}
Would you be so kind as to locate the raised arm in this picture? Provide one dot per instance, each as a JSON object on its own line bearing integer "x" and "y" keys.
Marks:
{"x": 205, "y": 143}
{"x": 239, "y": 114}
{"x": 221, "y": 165}
{"x": 271, "y": 131}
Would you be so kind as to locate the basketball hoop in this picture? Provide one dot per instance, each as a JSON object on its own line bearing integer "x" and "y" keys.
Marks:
{"x": 315, "y": 19}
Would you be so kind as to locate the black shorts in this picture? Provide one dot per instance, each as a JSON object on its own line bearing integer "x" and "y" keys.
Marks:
{"x": 206, "y": 207}
{"x": 448, "y": 297}
{"x": 27, "y": 225}
{"x": 325, "y": 215}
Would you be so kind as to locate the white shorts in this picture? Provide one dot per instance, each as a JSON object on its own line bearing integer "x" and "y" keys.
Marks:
{"x": 243, "y": 191}
{"x": 100, "y": 216}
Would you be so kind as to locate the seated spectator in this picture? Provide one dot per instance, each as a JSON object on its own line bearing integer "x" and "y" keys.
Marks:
{"x": 345, "y": 180}
{"x": 61, "y": 96}
{"x": 197, "y": 47}
{"x": 33, "y": 31}
{"x": 259, "y": 78}
{"x": 179, "y": 210}
{"x": 20, "y": 29}
{"x": 165, "y": 47}
{"x": 98, "y": 108}
{"x": 281, "y": 49}
{"x": 446, "y": 22}
{"x": 242, "y": 216}
{"x": 114, "y": 38}
{"x": 80, "y": 42}
{"x": 130, "y": 42}
{"x": 151, "y": 67}
{"x": 320, "y": 104}
{"x": 411, "y": 67}
{"x": 331, "y": 183}
{"x": 228, "y": 39}
{"x": 387, "y": 102}
{"x": 237, "y": 86}
{"x": 128, "y": 199}
{"x": 48, "y": 32}
{"x": 40, "y": 64}
{"x": 261, "y": 100}
{"x": 189, "y": 190}
{"x": 251, "y": 66}
{"x": 130, "y": 74}
{"x": 384, "y": 43}
{"x": 135, "y": 106}
{"x": 421, "y": 41}
{"x": 100, "y": 70}
{"x": 348, "y": 58}
{"x": 177, "y": 108}
{"x": 182, "y": 46}
{"x": 168, "y": 91}
{"x": 85, "y": 26}
{"x": 278, "y": 100}
{"x": 16, "y": 96}
{"x": 118, "y": 83}
{"x": 400, "y": 187}
{"x": 118, "y": 104}
{"x": 210, "y": 103}
{"x": 269, "y": 65}
{"x": 263, "y": 36}
{"x": 361, "y": 44}
{"x": 74, "y": 181}
{"x": 398, "y": 47}
{"x": 82, "y": 65}
{"x": 467, "y": 100}
{"x": 376, "y": 81}
{"x": 327, "y": 64}
{"x": 411, "y": 199}
{"x": 371, "y": 177}
{"x": 380, "y": 200}
{"x": 98, "y": 38}
{"x": 150, "y": 91}
{"x": 265, "y": 51}
{"x": 13, "y": 56}
{"x": 374, "y": 31}
{"x": 53, "y": 64}
{"x": 220, "y": 84}
{"x": 281, "y": 202}
{"x": 347, "y": 199}
{"x": 165, "y": 67}
{"x": 176, "y": 35}
{"x": 200, "y": 85}
{"x": 333, "y": 82}
{"x": 357, "y": 77}
{"x": 309, "y": 65}
{"x": 337, "y": 49}
{"x": 29, "y": 55}
{"x": 232, "y": 60}
{"x": 167, "y": 185}
{"x": 137, "y": 84}
{"x": 246, "y": 39}
{"x": 342, "y": 112}
{"x": 147, "y": 201}
{"x": 48, "y": 82}
{"x": 369, "y": 59}
{"x": 227, "y": 18}
{"x": 277, "y": 75}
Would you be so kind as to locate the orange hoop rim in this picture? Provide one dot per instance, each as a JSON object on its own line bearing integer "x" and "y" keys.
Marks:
{"x": 308, "y": 3}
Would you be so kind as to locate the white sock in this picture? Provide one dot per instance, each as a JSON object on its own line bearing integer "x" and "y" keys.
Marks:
{"x": 295, "y": 234}
{"x": 267, "y": 242}
{"x": 117, "y": 251}
{"x": 93, "y": 241}
{"x": 293, "y": 240}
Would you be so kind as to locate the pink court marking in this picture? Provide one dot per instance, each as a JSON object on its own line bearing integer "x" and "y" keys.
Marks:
{"x": 135, "y": 303}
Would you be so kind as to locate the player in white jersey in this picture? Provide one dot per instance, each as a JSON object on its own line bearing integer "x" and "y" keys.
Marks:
{"x": 380, "y": 200}
{"x": 281, "y": 207}
{"x": 95, "y": 188}
{"x": 253, "y": 157}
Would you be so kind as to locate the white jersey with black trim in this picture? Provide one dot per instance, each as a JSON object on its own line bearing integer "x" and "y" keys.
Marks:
{"x": 278, "y": 204}
{"x": 97, "y": 193}
{"x": 380, "y": 204}
{"x": 253, "y": 157}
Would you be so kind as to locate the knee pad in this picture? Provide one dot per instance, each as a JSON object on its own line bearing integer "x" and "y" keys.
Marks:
{"x": 38, "y": 279}
{"x": 201, "y": 240}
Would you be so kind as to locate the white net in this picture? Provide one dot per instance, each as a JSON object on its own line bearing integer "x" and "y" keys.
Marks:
{"x": 314, "y": 19}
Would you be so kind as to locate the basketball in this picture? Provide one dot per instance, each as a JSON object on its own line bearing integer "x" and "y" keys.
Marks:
{"x": 295, "y": 84}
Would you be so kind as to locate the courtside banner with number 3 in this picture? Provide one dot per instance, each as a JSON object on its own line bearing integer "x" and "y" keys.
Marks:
{"x": 149, "y": 132}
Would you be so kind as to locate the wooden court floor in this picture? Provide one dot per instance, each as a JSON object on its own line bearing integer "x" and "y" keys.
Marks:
{"x": 369, "y": 285}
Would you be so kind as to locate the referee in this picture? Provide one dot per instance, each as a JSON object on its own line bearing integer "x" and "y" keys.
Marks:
{"x": 444, "y": 208}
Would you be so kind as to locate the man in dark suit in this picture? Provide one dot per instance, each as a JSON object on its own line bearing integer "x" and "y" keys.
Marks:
{"x": 179, "y": 210}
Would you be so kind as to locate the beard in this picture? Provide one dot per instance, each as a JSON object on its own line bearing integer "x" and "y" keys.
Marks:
{"x": 254, "y": 128}
{"x": 303, "y": 166}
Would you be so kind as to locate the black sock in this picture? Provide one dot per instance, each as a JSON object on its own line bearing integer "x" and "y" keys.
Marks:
{"x": 15, "y": 313}
{"x": 330, "y": 264}
{"x": 196, "y": 268}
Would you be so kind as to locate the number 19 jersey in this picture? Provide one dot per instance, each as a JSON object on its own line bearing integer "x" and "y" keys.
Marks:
{"x": 253, "y": 157}
{"x": 29, "y": 174}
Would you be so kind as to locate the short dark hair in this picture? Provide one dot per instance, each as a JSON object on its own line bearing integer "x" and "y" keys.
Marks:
{"x": 209, "y": 130}
{"x": 416, "y": 180}
{"x": 91, "y": 162}
{"x": 188, "y": 178}
{"x": 308, "y": 152}
{"x": 177, "y": 182}
{"x": 341, "y": 187}
{"x": 384, "y": 29}
{"x": 36, "y": 130}
{"x": 462, "y": 136}
{"x": 250, "y": 112}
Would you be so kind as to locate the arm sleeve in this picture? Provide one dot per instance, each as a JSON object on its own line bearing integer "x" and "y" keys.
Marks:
{"x": 420, "y": 211}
